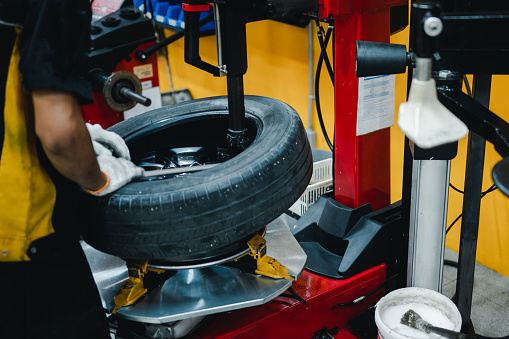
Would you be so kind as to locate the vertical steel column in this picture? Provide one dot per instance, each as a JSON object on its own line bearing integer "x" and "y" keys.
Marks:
{"x": 361, "y": 163}
{"x": 428, "y": 217}
{"x": 471, "y": 207}
{"x": 430, "y": 170}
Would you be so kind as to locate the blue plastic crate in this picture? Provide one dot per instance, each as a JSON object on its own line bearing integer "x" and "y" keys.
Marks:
{"x": 174, "y": 15}
{"x": 161, "y": 9}
{"x": 211, "y": 25}
{"x": 170, "y": 12}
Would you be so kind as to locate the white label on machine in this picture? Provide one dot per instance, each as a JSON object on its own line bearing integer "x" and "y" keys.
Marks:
{"x": 143, "y": 71}
{"x": 146, "y": 84}
{"x": 375, "y": 107}
{"x": 154, "y": 94}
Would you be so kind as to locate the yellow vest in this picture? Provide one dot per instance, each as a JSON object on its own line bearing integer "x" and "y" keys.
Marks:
{"x": 27, "y": 193}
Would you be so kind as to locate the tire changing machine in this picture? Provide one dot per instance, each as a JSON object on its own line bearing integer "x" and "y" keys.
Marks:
{"x": 338, "y": 254}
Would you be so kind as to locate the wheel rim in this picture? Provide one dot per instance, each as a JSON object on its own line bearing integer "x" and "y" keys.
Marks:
{"x": 200, "y": 145}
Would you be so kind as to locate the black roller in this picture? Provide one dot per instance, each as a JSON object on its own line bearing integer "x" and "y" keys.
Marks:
{"x": 378, "y": 58}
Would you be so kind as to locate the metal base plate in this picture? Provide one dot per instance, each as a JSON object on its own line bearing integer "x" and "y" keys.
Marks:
{"x": 198, "y": 292}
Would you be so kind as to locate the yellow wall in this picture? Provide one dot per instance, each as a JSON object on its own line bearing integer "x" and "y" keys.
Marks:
{"x": 278, "y": 68}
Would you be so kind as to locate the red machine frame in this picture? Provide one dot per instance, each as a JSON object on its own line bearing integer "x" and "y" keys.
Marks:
{"x": 288, "y": 318}
{"x": 361, "y": 163}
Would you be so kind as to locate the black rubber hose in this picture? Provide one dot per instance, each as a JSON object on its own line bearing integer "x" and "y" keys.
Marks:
{"x": 323, "y": 48}
{"x": 317, "y": 92}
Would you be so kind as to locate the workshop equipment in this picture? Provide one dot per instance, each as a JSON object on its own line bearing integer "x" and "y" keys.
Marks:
{"x": 356, "y": 180}
{"x": 353, "y": 155}
{"x": 430, "y": 176}
{"x": 318, "y": 308}
{"x": 354, "y": 238}
{"x": 139, "y": 272}
{"x": 121, "y": 90}
{"x": 344, "y": 287}
{"x": 204, "y": 283}
{"x": 466, "y": 45}
{"x": 122, "y": 84}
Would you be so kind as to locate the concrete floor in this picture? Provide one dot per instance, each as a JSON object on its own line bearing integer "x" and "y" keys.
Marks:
{"x": 490, "y": 302}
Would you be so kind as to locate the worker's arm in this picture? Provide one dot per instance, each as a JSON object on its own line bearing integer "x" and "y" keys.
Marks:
{"x": 65, "y": 139}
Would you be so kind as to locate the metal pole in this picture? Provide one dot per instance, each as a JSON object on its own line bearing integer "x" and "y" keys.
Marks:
{"x": 235, "y": 86}
{"x": 232, "y": 52}
{"x": 428, "y": 213}
{"x": 471, "y": 207}
{"x": 428, "y": 217}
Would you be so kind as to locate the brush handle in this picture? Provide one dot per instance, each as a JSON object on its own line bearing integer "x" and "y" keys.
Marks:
{"x": 445, "y": 333}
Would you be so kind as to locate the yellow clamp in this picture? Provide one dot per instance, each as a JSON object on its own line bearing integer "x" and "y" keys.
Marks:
{"x": 133, "y": 289}
{"x": 266, "y": 265}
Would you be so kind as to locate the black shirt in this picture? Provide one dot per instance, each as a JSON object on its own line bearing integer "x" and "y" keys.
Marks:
{"x": 53, "y": 45}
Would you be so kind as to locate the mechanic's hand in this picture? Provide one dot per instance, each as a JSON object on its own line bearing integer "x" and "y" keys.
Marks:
{"x": 109, "y": 140}
{"x": 120, "y": 171}
{"x": 113, "y": 159}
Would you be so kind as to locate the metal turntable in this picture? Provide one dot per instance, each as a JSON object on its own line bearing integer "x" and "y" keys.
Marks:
{"x": 194, "y": 292}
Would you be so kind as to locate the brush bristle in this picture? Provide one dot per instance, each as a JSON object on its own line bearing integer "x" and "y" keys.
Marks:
{"x": 411, "y": 318}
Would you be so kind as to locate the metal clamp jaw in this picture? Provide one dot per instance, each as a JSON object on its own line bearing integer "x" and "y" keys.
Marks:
{"x": 265, "y": 265}
{"x": 135, "y": 288}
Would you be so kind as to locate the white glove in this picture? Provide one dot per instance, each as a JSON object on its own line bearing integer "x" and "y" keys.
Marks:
{"x": 119, "y": 170}
{"x": 99, "y": 149}
{"x": 109, "y": 140}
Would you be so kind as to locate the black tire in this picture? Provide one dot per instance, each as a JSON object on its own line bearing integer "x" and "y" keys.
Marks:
{"x": 200, "y": 216}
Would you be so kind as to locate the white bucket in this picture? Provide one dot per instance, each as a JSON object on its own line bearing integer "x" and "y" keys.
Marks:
{"x": 432, "y": 306}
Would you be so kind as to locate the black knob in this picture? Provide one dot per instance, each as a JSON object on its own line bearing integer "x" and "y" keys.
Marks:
{"x": 129, "y": 13}
{"x": 95, "y": 29}
{"x": 110, "y": 21}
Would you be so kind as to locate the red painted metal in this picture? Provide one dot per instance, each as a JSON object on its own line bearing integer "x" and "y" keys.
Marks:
{"x": 195, "y": 8}
{"x": 333, "y": 8}
{"x": 284, "y": 317}
{"x": 361, "y": 163}
{"x": 99, "y": 112}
